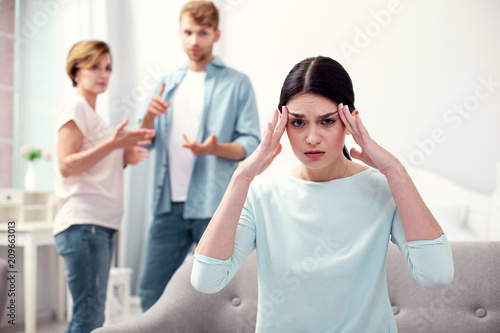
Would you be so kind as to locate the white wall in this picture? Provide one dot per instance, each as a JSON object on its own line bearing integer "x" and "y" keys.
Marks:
{"x": 411, "y": 63}
{"x": 408, "y": 72}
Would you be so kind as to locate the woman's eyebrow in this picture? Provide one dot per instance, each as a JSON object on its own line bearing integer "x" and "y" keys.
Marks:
{"x": 323, "y": 116}
{"x": 326, "y": 115}
{"x": 296, "y": 115}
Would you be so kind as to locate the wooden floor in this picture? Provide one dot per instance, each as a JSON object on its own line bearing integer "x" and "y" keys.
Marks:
{"x": 49, "y": 327}
{"x": 60, "y": 327}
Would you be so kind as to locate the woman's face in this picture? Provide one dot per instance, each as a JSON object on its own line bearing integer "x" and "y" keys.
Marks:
{"x": 315, "y": 131}
{"x": 94, "y": 80}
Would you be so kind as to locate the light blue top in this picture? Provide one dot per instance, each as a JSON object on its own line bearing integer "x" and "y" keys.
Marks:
{"x": 321, "y": 249}
{"x": 229, "y": 111}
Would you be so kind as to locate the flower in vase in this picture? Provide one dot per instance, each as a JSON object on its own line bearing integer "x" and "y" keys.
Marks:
{"x": 32, "y": 154}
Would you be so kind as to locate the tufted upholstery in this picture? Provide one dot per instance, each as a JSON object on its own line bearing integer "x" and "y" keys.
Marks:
{"x": 470, "y": 304}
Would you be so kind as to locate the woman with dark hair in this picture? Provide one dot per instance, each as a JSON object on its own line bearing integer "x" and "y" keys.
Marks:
{"x": 321, "y": 231}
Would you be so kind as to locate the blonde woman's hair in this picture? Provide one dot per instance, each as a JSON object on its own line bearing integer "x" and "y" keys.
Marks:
{"x": 202, "y": 12}
{"x": 85, "y": 55}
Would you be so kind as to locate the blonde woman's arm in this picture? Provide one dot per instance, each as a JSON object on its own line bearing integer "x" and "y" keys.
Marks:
{"x": 73, "y": 162}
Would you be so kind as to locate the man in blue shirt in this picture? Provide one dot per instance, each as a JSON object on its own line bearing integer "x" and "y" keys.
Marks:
{"x": 206, "y": 120}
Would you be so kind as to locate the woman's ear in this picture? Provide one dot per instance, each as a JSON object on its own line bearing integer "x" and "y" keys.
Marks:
{"x": 353, "y": 113}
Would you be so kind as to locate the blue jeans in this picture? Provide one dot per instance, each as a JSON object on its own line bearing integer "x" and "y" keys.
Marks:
{"x": 87, "y": 251}
{"x": 170, "y": 239}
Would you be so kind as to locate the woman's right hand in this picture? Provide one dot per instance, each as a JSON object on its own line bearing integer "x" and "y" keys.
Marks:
{"x": 268, "y": 149}
{"x": 122, "y": 138}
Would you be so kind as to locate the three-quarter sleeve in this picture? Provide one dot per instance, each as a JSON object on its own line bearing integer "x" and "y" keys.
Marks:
{"x": 430, "y": 261}
{"x": 209, "y": 275}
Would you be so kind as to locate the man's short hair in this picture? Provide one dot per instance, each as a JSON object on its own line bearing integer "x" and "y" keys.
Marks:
{"x": 202, "y": 12}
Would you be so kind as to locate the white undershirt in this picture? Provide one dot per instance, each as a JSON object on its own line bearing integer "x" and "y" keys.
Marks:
{"x": 187, "y": 107}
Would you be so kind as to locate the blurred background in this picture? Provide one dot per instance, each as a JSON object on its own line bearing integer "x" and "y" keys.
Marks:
{"x": 426, "y": 76}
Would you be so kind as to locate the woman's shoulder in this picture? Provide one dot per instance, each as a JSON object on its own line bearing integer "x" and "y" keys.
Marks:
{"x": 73, "y": 103}
{"x": 74, "y": 99}
{"x": 75, "y": 108}
{"x": 266, "y": 184}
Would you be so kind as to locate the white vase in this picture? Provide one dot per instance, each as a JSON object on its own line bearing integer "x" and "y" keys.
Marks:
{"x": 30, "y": 179}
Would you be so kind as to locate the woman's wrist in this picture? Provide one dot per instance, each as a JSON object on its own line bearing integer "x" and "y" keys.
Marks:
{"x": 242, "y": 175}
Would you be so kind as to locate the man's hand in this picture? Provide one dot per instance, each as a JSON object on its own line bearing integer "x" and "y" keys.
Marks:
{"x": 157, "y": 107}
{"x": 206, "y": 148}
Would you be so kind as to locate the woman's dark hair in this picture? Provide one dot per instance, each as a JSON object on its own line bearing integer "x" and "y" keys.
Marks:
{"x": 320, "y": 76}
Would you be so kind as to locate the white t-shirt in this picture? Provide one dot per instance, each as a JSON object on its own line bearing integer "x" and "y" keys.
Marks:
{"x": 187, "y": 108}
{"x": 96, "y": 195}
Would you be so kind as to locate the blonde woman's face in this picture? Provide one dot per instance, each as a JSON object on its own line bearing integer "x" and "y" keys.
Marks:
{"x": 94, "y": 80}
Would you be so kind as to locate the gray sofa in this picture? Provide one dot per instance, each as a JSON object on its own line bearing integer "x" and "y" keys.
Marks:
{"x": 470, "y": 304}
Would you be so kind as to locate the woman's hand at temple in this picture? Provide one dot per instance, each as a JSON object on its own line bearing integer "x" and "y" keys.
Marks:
{"x": 268, "y": 149}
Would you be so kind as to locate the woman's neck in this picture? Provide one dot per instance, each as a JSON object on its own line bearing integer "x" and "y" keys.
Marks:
{"x": 89, "y": 97}
{"x": 334, "y": 171}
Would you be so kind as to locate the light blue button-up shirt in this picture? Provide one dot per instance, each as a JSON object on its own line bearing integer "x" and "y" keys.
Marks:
{"x": 229, "y": 111}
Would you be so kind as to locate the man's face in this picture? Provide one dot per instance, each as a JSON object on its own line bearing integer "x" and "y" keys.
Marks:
{"x": 197, "y": 40}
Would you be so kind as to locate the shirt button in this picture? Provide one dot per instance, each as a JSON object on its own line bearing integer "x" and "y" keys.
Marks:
{"x": 480, "y": 313}
{"x": 236, "y": 301}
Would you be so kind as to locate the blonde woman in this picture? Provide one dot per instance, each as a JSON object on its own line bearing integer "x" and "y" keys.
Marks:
{"x": 88, "y": 183}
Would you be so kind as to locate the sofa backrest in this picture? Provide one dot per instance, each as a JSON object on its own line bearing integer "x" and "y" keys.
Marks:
{"x": 471, "y": 303}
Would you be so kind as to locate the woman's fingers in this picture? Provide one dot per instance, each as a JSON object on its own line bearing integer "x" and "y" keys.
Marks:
{"x": 346, "y": 117}
{"x": 267, "y": 137}
{"x": 122, "y": 125}
{"x": 279, "y": 129}
{"x": 143, "y": 142}
{"x": 354, "y": 124}
{"x": 359, "y": 124}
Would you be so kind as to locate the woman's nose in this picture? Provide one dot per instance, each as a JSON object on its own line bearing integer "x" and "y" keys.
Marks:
{"x": 313, "y": 136}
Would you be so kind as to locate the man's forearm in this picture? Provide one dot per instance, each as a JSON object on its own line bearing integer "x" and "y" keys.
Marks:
{"x": 231, "y": 151}
{"x": 147, "y": 122}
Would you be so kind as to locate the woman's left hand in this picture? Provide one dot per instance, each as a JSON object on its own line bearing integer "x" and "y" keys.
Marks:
{"x": 371, "y": 153}
{"x": 134, "y": 155}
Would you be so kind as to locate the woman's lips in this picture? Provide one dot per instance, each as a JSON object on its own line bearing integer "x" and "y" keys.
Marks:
{"x": 314, "y": 154}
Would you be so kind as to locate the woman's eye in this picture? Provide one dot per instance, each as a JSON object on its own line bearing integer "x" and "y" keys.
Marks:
{"x": 327, "y": 121}
{"x": 297, "y": 123}
{"x": 108, "y": 69}
{"x": 94, "y": 67}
